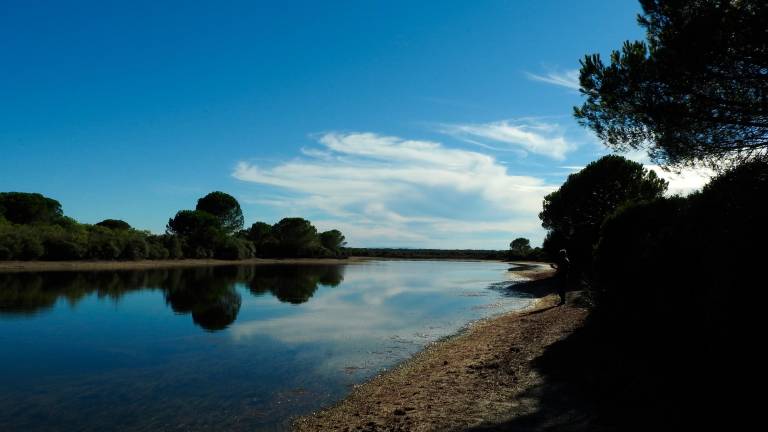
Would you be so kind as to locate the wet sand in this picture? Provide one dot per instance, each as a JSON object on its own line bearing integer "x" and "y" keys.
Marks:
{"x": 40, "y": 266}
{"x": 481, "y": 378}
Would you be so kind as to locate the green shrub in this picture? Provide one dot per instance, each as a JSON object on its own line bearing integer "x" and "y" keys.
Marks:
{"x": 233, "y": 248}
{"x": 103, "y": 244}
{"x": 135, "y": 246}
{"x": 62, "y": 249}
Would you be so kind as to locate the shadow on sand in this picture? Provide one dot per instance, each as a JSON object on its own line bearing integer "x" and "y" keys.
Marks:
{"x": 569, "y": 397}
{"x": 592, "y": 382}
{"x": 578, "y": 372}
{"x": 529, "y": 288}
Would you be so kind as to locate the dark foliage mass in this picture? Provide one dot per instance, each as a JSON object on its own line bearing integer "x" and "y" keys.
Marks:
{"x": 574, "y": 213}
{"x": 201, "y": 233}
{"x": 520, "y": 246}
{"x": 295, "y": 237}
{"x": 29, "y": 208}
{"x": 225, "y": 208}
{"x": 33, "y": 227}
{"x": 695, "y": 91}
{"x": 678, "y": 290}
{"x": 114, "y": 224}
{"x": 333, "y": 241}
{"x": 676, "y": 285}
{"x": 520, "y": 249}
{"x": 676, "y": 282}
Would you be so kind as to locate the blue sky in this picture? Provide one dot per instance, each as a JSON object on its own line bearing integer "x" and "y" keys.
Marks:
{"x": 402, "y": 123}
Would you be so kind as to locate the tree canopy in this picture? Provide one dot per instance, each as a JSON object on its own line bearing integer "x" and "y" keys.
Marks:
{"x": 226, "y": 209}
{"x": 695, "y": 91}
{"x": 520, "y": 246}
{"x": 295, "y": 236}
{"x": 333, "y": 240}
{"x": 199, "y": 231}
{"x": 667, "y": 309}
{"x": 192, "y": 222}
{"x": 576, "y": 210}
{"x": 29, "y": 208}
{"x": 33, "y": 227}
{"x": 258, "y": 232}
{"x": 114, "y": 224}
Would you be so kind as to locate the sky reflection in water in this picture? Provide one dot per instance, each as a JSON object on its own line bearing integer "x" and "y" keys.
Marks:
{"x": 242, "y": 348}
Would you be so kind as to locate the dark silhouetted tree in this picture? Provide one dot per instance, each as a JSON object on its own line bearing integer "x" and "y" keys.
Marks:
{"x": 576, "y": 210}
{"x": 200, "y": 232}
{"x": 668, "y": 300}
{"x": 696, "y": 90}
{"x": 28, "y": 208}
{"x": 520, "y": 247}
{"x": 114, "y": 224}
{"x": 295, "y": 237}
{"x": 258, "y": 232}
{"x": 225, "y": 207}
{"x": 190, "y": 222}
{"x": 553, "y": 242}
{"x": 333, "y": 240}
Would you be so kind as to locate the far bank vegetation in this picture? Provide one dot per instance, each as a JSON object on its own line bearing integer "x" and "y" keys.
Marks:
{"x": 34, "y": 227}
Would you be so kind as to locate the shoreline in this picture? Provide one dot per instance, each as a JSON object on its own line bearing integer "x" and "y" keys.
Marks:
{"x": 477, "y": 378}
{"x": 46, "y": 266}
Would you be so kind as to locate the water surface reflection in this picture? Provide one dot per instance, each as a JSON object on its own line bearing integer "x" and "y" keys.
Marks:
{"x": 207, "y": 293}
{"x": 235, "y": 348}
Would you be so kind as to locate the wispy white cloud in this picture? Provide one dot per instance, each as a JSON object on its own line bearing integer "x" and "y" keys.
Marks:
{"x": 637, "y": 155}
{"x": 384, "y": 190}
{"x": 681, "y": 182}
{"x": 568, "y": 79}
{"x": 685, "y": 181}
{"x": 528, "y": 135}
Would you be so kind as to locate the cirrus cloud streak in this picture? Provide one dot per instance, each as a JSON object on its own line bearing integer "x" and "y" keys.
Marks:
{"x": 525, "y": 135}
{"x": 568, "y": 79}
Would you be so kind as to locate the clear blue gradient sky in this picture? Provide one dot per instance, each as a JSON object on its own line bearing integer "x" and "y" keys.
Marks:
{"x": 403, "y": 123}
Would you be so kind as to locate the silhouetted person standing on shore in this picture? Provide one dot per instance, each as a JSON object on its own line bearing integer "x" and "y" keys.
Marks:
{"x": 563, "y": 266}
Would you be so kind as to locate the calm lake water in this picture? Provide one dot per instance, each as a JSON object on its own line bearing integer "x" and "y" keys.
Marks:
{"x": 236, "y": 348}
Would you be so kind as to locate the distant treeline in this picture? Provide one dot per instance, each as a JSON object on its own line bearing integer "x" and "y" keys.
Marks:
{"x": 476, "y": 254}
{"x": 33, "y": 227}
{"x": 428, "y": 253}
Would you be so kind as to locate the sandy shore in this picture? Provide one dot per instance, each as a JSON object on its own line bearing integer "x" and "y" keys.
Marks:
{"x": 39, "y": 266}
{"x": 481, "y": 379}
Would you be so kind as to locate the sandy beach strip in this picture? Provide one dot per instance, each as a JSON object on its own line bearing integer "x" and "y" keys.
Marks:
{"x": 42, "y": 266}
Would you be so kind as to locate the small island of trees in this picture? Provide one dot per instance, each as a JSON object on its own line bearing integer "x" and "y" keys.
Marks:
{"x": 34, "y": 227}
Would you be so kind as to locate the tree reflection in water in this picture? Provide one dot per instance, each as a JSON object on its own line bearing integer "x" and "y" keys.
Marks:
{"x": 209, "y": 294}
{"x": 292, "y": 286}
